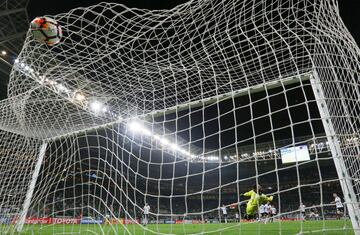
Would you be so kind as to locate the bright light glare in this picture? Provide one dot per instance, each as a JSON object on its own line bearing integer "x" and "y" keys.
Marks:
{"x": 135, "y": 126}
{"x": 62, "y": 88}
{"x": 164, "y": 141}
{"x": 79, "y": 97}
{"x": 96, "y": 106}
{"x": 3, "y": 52}
{"x": 174, "y": 147}
{"x": 212, "y": 158}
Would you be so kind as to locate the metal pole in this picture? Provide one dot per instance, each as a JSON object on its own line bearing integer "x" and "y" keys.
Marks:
{"x": 20, "y": 223}
{"x": 334, "y": 143}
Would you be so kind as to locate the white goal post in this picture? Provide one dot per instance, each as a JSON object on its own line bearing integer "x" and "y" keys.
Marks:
{"x": 184, "y": 110}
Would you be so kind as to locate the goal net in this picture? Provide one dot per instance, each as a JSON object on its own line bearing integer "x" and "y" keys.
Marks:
{"x": 163, "y": 121}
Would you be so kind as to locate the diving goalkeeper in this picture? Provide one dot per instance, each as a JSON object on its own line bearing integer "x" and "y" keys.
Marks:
{"x": 256, "y": 198}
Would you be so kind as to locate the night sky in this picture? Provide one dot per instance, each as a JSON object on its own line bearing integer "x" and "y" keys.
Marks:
{"x": 349, "y": 9}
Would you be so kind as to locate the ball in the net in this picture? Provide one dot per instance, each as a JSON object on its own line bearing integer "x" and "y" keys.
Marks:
{"x": 46, "y": 30}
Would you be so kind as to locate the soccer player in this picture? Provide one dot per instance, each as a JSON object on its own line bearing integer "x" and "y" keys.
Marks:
{"x": 302, "y": 211}
{"x": 273, "y": 213}
{"x": 267, "y": 209}
{"x": 146, "y": 212}
{"x": 224, "y": 212}
{"x": 314, "y": 214}
{"x": 261, "y": 212}
{"x": 237, "y": 217}
{"x": 339, "y": 206}
{"x": 257, "y": 197}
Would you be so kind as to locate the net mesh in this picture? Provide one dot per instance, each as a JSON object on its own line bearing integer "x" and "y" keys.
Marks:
{"x": 183, "y": 110}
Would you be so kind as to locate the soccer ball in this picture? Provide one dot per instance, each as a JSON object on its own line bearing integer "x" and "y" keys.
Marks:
{"x": 46, "y": 30}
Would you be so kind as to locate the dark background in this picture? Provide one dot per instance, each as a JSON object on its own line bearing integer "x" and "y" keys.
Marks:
{"x": 349, "y": 9}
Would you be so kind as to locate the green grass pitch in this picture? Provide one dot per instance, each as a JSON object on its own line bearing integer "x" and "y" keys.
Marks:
{"x": 333, "y": 227}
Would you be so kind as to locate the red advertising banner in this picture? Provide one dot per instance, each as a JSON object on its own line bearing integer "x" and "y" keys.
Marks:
{"x": 179, "y": 221}
{"x": 129, "y": 221}
{"x": 64, "y": 221}
{"x": 113, "y": 221}
{"x": 34, "y": 220}
{"x": 198, "y": 222}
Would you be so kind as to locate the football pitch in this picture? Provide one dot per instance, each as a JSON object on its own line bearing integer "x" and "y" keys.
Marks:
{"x": 333, "y": 227}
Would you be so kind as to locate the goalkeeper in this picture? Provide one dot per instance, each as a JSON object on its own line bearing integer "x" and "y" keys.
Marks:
{"x": 256, "y": 198}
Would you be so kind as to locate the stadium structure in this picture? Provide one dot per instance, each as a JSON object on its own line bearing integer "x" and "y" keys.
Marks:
{"x": 183, "y": 109}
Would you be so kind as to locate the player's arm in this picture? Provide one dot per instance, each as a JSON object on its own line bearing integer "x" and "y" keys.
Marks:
{"x": 249, "y": 194}
{"x": 267, "y": 198}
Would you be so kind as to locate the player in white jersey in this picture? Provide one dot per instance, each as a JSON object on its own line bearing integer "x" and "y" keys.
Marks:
{"x": 146, "y": 212}
{"x": 339, "y": 206}
{"x": 237, "y": 217}
{"x": 314, "y": 213}
{"x": 273, "y": 213}
{"x": 224, "y": 212}
{"x": 267, "y": 209}
{"x": 262, "y": 211}
{"x": 302, "y": 211}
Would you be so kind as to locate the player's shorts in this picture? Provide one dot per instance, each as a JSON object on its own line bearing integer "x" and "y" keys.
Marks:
{"x": 340, "y": 209}
{"x": 251, "y": 210}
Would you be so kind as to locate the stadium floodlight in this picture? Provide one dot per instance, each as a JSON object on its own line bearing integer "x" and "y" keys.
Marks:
{"x": 164, "y": 142}
{"x": 211, "y": 158}
{"x": 3, "y": 52}
{"x": 204, "y": 80}
{"x": 96, "y": 106}
{"x": 174, "y": 147}
{"x": 136, "y": 126}
{"x": 79, "y": 97}
{"x": 16, "y": 61}
{"x": 62, "y": 88}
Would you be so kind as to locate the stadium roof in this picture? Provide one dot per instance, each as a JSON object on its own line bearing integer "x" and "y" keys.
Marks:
{"x": 13, "y": 27}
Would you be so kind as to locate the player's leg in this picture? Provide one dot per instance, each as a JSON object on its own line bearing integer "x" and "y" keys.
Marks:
{"x": 341, "y": 212}
{"x": 266, "y": 218}
{"x": 250, "y": 212}
{"x": 145, "y": 219}
{"x": 303, "y": 215}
